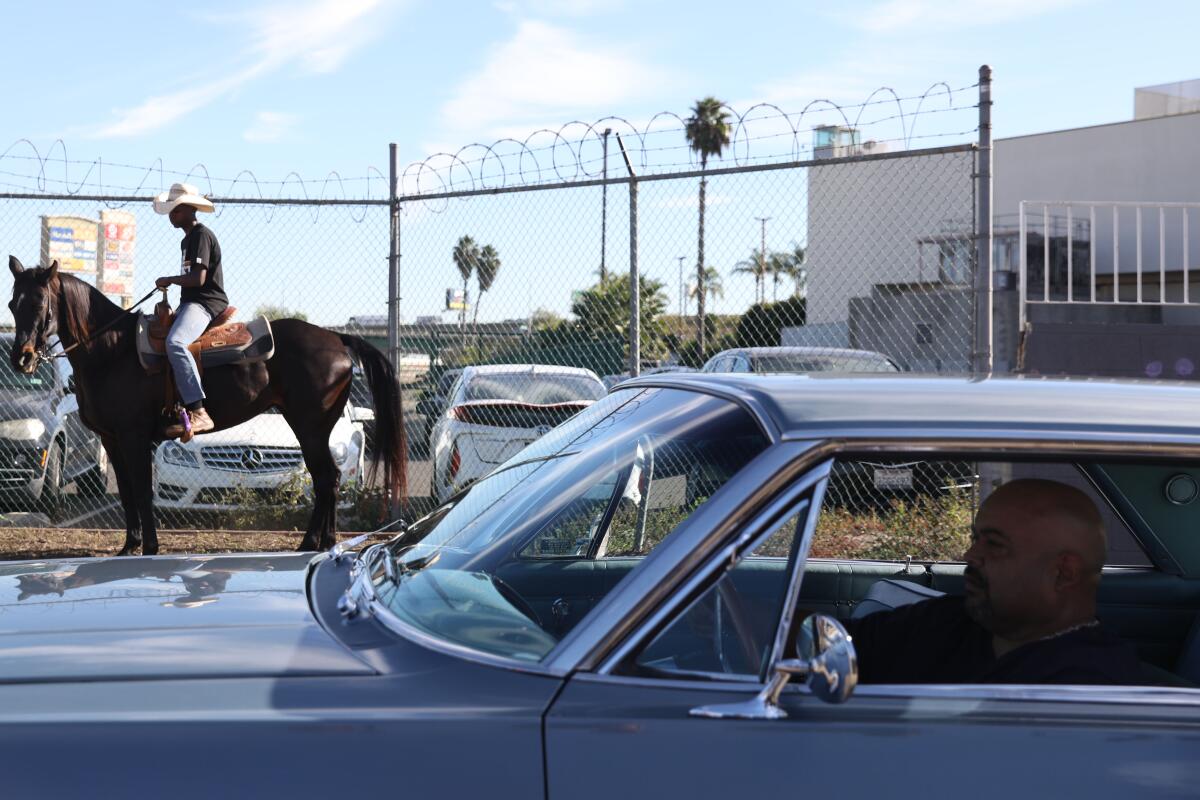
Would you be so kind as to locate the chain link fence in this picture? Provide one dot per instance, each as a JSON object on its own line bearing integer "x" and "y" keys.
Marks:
{"x": 804, "y": 247}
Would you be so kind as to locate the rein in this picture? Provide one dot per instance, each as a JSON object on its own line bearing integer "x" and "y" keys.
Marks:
{"x": 48, "y": 356}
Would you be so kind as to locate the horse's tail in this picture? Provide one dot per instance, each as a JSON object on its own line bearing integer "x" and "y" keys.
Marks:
{"x": 390, "y": 446}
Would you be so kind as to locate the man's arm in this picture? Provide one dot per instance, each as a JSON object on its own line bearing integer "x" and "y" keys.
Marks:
{"x": 196, "y": 259}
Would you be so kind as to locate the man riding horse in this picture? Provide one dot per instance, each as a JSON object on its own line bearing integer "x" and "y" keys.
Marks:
{"x": 202, "y": 299}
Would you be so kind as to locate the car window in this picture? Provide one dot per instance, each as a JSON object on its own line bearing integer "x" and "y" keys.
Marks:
{"x": 42, "y": 378}
{"x": 822, "y": 363}
{"x": 561, "y": 500}
{"x": 730, "y": 628}
{"x": 528, "y": 387}
{"x": 898, "y": 509}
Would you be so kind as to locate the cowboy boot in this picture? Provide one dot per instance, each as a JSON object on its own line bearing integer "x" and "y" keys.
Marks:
{"x": 201, "y": 421}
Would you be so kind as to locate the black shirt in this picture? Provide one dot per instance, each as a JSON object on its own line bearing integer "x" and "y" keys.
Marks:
{"x": 935, "y": 641}
{"x": 201, "y": 251}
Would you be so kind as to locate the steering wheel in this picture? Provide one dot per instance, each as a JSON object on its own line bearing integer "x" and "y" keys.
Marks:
{"x": 516, "y": 601}
{"x": 728, "y": 595}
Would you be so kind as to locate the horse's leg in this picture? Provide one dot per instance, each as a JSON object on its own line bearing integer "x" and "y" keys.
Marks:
{"x": 133, "y": 532}
{"x": 136, "y": 453}
{"x": 322, "y": 524}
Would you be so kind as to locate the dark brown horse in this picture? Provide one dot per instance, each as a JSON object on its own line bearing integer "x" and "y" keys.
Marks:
{"x": 307, "y": 378}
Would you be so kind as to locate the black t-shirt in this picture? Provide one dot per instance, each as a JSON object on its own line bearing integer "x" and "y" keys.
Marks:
{"x": 935, "y": 641}
{"x": 201, "y": 251}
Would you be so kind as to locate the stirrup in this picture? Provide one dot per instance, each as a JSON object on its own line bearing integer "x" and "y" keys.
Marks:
{"x": 186, "y": 420}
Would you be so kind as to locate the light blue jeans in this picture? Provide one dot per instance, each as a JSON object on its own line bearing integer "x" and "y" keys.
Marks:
{"x": 190, "y": 321}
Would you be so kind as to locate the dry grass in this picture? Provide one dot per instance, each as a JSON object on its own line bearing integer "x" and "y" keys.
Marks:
{"x": 38, "y": 543}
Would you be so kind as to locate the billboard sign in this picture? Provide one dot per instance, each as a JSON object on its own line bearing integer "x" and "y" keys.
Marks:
{"x": 456, "y": 300}
{"x": 72, "y": 241}
{"x": 114, "y": 258}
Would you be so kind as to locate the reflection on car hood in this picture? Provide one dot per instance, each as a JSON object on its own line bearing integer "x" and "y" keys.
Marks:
{"x": 22, "y": 404}
{"x": 162, "y": 617}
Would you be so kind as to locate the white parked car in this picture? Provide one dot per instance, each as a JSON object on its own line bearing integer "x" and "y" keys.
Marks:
{"x": 495, "y": 410}
{"x": 213, "y": 472}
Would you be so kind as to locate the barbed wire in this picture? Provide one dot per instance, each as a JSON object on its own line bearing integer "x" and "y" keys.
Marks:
{"x": 571, "y": 152}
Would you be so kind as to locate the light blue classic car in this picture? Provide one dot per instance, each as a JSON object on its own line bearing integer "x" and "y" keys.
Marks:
{"x": 615, "y": 612}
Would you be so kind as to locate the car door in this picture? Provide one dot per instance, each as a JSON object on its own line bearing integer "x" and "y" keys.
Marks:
{"x": 629, "y": 728}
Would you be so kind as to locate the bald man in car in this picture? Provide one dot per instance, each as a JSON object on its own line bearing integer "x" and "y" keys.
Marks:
{"x": 1029, "y": 611}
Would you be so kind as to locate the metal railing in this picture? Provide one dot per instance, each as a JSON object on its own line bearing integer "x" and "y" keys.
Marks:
{"x": 1098, "y": 252}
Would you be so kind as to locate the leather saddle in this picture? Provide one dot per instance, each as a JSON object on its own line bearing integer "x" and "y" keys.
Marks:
{"x": 222, "y": 343}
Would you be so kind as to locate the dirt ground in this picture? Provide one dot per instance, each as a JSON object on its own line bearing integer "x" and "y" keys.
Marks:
{"x": 18, "y": 544}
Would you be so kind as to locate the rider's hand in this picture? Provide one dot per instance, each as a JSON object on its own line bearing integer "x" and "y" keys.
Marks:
{"x": 162, "y": 283}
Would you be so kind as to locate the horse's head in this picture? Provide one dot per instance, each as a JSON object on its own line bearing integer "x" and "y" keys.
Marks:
{"x": 34, "y": 311}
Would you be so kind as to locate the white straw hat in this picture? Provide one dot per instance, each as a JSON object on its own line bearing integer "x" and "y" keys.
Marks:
{"x": 181, "y": 194}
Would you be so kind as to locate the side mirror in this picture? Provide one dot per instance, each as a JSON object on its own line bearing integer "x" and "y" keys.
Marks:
{"x": 826, "y": 661}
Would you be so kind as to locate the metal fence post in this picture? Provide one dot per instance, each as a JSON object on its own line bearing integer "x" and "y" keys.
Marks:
{"x": 635, "y": 284}
{"x": 393, "y": 314}
{"x": 982, "y": 350}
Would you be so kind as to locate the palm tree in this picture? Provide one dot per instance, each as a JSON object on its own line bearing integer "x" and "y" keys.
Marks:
{"x": 466, "y": 256}
{"x": 712, "y": 285}
{"x": 759, "y": 267}
{"x": 707, "y": 132}
{"x": 486, "y": 267}
{"x": 796, "y": 268}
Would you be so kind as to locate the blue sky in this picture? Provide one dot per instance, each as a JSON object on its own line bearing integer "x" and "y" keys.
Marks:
{"x": 310, "y": 87}
{"x": 318, "y": 86}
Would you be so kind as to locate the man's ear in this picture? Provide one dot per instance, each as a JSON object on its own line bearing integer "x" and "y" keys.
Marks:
{"x": 15, "y": 266}
{"x": 1070, "y": 570}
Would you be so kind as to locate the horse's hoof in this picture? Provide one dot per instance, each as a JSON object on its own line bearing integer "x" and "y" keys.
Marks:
{"x": 150, "y": 550}
{"x": 307, "y": 547}
{"x": 127, "y": 551}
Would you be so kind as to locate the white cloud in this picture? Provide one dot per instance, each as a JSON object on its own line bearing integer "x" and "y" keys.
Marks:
{"x": 317, "y": 36}
{"x": 894, "y": 16}
{"x": 566, "y": 8}
{"x": 269, "y": 126}
{"x": 546, "y": 72}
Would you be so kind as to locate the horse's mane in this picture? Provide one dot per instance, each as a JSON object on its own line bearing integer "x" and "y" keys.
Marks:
{"x": 84, "y": 307}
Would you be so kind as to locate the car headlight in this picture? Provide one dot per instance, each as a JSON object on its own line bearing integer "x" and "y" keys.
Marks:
{"x": 22, "y": 429}
{"x": 340, "y": 453}
{"x": 180, "y": 456}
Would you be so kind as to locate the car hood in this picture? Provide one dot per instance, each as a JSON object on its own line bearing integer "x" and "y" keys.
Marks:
{"x": 265, "y": 430}
{"x": 22, "y": 404}
{"x": 163, "y": 617}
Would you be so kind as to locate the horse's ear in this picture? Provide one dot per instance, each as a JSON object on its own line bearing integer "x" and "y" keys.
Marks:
{"x": 51, "y": 272}
{"x": 15, "y": 266}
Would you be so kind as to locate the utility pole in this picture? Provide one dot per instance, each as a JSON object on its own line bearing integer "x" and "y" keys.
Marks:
{"x": 763, "y": 255}
{"x": 981, "y": 357}
{"x": 681, "y": 290}
{"x": 604, "y": 211}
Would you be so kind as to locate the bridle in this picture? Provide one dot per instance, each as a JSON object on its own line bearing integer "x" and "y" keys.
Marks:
{"x": 45, "y": 354}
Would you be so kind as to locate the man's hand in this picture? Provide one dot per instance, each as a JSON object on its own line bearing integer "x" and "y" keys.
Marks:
{"x": 163, "y": 282}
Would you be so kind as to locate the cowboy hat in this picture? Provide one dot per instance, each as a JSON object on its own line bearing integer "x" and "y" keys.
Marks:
{"x": 181, "y": 194}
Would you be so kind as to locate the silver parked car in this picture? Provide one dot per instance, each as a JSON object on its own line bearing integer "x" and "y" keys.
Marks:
{"x": 44, "y": 445}
{"x": 799, "y": 359}
{"x": 613, "y": 613}
{"x": 492, "y": 411}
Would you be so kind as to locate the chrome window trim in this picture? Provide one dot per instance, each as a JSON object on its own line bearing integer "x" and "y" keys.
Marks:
{"x": 620, "y": 612}
{"x": 1072, "y": 694}
{"x": 758, "y": 527}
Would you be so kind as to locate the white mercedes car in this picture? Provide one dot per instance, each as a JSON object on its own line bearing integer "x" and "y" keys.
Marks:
{"x": 215, "y": 471}
{"x": 495, "y": 410}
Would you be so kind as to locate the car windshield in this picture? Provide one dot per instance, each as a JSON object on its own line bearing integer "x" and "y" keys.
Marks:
{"x": 533, "y": 387}
{"x": 801, "y": 362}
{"x": 42, "y": 378}
{"x": 607, "y": 486}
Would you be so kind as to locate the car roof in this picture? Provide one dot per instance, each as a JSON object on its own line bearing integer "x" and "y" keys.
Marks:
{"x": 801, "y": 406}
{"x": 529, "y": 369}
{"x": 802, "y": 350}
